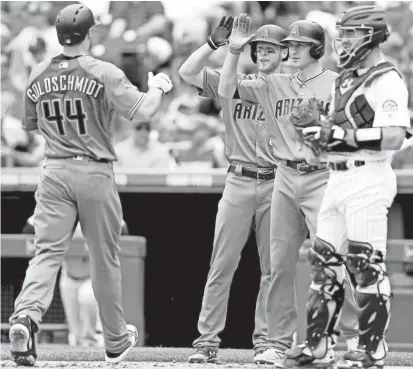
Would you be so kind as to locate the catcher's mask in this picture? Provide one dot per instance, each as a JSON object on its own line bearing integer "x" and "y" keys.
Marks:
{"x": 351, "y": 45}
{"x": 269, "y": 33}
{"x": 309, "y": 32}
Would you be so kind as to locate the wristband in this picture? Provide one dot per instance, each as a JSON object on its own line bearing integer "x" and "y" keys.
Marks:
{"x": 211, "y": 43}
{"x": 369, "y": 138}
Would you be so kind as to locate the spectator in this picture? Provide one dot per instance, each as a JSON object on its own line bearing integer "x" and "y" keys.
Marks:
{"x": 206, "y": 148}
{"x": 142, "y": 151}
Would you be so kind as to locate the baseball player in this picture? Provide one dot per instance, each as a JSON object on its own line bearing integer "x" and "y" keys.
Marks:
{"x": 246, "y": 200}
{"x": 298, "y": 186}
{"x": 368, "y": 119}
{"x": 70, "y": 100}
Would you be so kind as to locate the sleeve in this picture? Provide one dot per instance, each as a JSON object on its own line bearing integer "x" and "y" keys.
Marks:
{"x": 124, "y": 96}
{"x": 391, "y": 101}
{"x": 29, "y": 112}
{"x": 210, "y": 85}
{"x": 252, "y": 89}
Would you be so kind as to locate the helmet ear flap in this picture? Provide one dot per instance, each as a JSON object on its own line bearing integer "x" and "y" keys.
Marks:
{"x": 317, "y": 51}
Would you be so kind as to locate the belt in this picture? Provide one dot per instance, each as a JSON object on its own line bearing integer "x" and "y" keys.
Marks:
{"x": 345, "y": 165}
{"x": 301, "y": 166}
{"x": 262, "y": 174}
{"x": 80, "y": 157}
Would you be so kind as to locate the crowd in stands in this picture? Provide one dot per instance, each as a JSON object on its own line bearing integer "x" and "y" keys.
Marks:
{"x": 140, "y": 37}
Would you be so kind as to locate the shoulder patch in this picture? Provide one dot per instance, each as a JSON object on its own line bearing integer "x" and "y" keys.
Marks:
{"x": 390, "y": 105}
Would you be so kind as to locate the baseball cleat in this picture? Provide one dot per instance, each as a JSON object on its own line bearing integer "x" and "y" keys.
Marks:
{"x": 204, "y": 354}
{"x": 359, "y": 359}
{"x": 23, "y": 348}
{"x": 301, "y": 356}
{"x": 114, "y": 358}
{"x": 270, "y": 356}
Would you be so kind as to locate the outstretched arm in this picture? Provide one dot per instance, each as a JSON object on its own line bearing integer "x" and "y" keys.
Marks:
{"x": 191, "y": 70}
{"x": 238, "y": 39}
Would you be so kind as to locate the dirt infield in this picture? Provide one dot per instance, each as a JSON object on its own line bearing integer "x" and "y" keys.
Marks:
{"x": 59, "y": 356}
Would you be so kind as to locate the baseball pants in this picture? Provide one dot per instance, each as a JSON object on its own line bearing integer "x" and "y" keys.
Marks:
{"x": 299, "y": 197}
{"x": 245, "y": 204}
{"x": 72, "y": 190}
{"x": 355, "y": 207}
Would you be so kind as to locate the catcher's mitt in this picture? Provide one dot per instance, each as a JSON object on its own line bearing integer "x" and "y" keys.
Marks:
{"x": 307, "y": 114}
{"x": 312, "y": 126}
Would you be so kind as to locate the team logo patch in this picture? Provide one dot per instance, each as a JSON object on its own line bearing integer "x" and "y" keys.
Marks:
{"x": 264, "y": 34}
{"x": 389, "y": 105}
{"x": 64, "y": 65}
{"x": 295, "y": 31}
{"x": 346, "y": 85}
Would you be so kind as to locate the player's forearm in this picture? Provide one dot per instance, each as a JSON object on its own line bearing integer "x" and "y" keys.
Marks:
{"x": 150, "y": 104}
{"x": 196, "y": 61}
{"x": 229, "y": 78}
{"x": 376, "y": 138}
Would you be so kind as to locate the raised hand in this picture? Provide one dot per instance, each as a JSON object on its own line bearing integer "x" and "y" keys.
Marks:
{"x": 240, "y": 33}
{"x": 220, "y": 34}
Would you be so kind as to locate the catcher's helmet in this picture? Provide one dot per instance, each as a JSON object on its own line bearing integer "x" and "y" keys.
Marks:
{"x": 310, "y": 32}
{"x": 269, "y": 33}
{"x": 368, "y": 18}
{"x": 73, "y": 23}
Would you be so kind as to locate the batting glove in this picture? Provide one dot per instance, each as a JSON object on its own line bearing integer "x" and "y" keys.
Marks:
{"x": 221, "y": 33}
{"x": 161, "y": 81}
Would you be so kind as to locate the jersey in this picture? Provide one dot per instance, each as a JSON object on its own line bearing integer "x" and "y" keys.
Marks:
{"x": 278, "y": 94}
{"x": 247, "y": 140}
{"x": 72, "y": 100}
{"x": 387, "y": 95}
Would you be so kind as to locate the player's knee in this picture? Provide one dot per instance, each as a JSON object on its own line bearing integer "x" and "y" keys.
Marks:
{"x": 365, "y": 264}
{"x": 324, "y": 262}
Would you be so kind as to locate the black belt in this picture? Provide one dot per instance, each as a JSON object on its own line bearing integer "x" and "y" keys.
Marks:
{"x": 302, "y": 167}
{"x": 345, "y": 165}
{"x": 262, "y": 174}
{"x": 79, "y": 157}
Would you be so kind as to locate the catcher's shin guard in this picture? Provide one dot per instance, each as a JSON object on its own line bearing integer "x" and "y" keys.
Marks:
{"x": 372, "y": 294}
{"x": 326, "y": 297}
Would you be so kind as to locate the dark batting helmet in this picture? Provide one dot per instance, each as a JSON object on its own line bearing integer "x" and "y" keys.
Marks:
{"x": 309, "y": 32}
{"x": 367, "y": 18}
{"x": 269, "y": 33}
{"x": 73, "y": 23}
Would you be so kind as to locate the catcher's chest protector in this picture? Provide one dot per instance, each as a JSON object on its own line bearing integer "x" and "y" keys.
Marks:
{"x": 352, "y": 109}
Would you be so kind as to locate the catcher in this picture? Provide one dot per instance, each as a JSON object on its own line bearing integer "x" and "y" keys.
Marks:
{"x": 367, "y": 121}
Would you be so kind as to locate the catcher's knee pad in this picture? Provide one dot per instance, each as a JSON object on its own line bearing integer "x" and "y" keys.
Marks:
{"x": 324, "y": 259}
{"x": 372, "y": 294}
{"x": 326, "y": 297}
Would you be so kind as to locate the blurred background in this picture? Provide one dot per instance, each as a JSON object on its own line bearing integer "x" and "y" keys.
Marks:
{"x": 175, "y": 218}
{"x": 157, "y": 36}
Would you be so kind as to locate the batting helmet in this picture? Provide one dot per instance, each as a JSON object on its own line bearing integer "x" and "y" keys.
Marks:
{"x": 368, "y": 18}
{"x": 309, "y": 32}
{"x": 269, "y": 33}
{"x": 73, "y": 23}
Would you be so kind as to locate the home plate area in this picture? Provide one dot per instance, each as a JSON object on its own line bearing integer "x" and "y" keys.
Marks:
{"x": 61, "y": 356}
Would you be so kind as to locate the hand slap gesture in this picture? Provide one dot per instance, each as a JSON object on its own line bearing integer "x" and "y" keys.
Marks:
{"x": 240, "y": 33}
{"x": 220, "y": 34}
